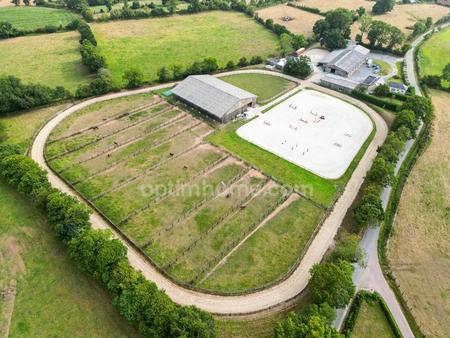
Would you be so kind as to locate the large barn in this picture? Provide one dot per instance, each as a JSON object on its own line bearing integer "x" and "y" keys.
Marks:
{"x": 218, "y": 99}
{"x": 345, "y": 62}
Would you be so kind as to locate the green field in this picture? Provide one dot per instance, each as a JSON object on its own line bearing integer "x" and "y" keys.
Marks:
{"x": 54, "y": 298}
{"x": 385, "y": 67}
{"x": 30, "y": 18}
{"x": 266, "y": 87}
{"x": 432, "y": 53}
{"x": 372, "y": 322}
{"x": 152, "y": 43}
{"x": 21, "y": 127}
{"x": 49, "y": 59}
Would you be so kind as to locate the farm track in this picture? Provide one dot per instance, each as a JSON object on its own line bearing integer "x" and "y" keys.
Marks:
{"x": 266, "y": 299}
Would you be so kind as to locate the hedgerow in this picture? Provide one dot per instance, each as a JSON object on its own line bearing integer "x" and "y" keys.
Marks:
{"x": 102, "y": 255}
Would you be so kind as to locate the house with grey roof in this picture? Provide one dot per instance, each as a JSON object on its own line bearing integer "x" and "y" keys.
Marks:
{"x": 216, "y": 98}
{"x": 345, "y": 62}
{"x": 397, "y": 88}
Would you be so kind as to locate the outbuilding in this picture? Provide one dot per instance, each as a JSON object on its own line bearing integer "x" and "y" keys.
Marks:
{"x": 345, "y": 62}
{"x": 214, "y": 97}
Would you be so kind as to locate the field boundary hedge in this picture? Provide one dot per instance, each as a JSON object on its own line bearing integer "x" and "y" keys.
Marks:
{"x": 376, "y": 100}
{"x": 104, "y": 257}
{"x": 355, "y": 307}
{"x": 313, "y": 10}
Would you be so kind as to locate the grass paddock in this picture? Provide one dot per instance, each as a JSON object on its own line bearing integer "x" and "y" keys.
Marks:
{"x": 153, "y": 43}
{"x": 30, "y": 18}
{"x": 49, "y": 59}
{"x": 266, "y": 87}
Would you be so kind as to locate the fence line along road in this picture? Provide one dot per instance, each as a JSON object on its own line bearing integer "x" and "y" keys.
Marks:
{"x": 252, "y": 302}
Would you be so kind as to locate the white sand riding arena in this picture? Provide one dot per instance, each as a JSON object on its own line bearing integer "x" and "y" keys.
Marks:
{"x": 313, "y": 130}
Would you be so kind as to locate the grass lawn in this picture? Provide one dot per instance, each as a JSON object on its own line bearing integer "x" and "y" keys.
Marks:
{"x": 432, "y": 53}
{"x": 30, "y": 17}
{"x": 266, "y": 87}
{"x": 150, "y": 44}
{"x": 54, "y": 298}
{"x": 385, "y": 67}
{"x": 49, "y": 59}
{"x": 269, "y": 253}
{"x": 418, "y": 249}
{"x": 372, "y": 322}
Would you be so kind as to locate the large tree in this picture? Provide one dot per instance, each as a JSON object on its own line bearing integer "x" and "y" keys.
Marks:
{"x": 332, "y": 283}
{"x": 383, "y": 6}
{"x": 300, "y": 67}
{"x": 334, "y": 30}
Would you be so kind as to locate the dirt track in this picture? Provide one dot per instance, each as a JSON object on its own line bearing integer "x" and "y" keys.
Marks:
{"x": 253, "y": 302}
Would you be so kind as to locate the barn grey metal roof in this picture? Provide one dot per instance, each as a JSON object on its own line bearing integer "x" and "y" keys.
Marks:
{"x": 347, "y": 58}
{"x": 211, "y": 94}
{"x": 339, "y": 81}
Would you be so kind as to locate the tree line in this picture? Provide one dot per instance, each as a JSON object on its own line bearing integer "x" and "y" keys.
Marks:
{"x": 102, "y": 255}
{"x": 369, "y": 210}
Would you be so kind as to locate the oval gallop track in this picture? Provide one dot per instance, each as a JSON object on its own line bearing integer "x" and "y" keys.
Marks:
{"x": 252, "y": 302}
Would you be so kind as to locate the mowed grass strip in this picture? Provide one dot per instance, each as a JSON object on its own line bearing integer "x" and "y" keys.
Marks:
{"x": 372, "y": 322}
{"x": 150, "y": 44}
{"x": 31, "y": 18}
{"x": 49, "y": 59}
{"x": 54, "y": 297}
{"x": 220, "y": 240}
{"x": 270, "y": 252}
{"x": 168, "y": 245}
{"x": 319, "y": 189}
{"x": 145, "y": 226}
{"x": 120, "y": 203}
{"x": 266, "y": 87}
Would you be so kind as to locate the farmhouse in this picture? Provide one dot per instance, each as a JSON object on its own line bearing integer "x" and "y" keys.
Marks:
{"x": 345, "y": 62}
{"x": 218, "y": 99}
{"x": 397, "y": 88}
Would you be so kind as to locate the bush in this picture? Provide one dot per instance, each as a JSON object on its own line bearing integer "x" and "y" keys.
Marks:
{"x": 14, "y": 95}
{"x": 133, "y": 78}
{"x": 376, "y": 100}
{"x": 348, "y": 249}
{"x": 256, "y": 60}
{"x": 230, "y": 65}
{"x": 86, "y": 33}
{"x": 102, "y": 84}
{"x": 105, "y": 257}
{"x": 299, "y": 67}
{"x": 382, "y": 90}
{"x": 8, "y": 31}
{"x": 67, "y": 215}
{"x": 332, "y": 283}
{"x": 369, "y": 211}
{"x": 243, "y": 62}
{"x": 90, "y": 56}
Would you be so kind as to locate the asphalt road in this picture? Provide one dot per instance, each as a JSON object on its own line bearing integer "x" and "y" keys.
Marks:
{"x": 254, "y": 302}
{"x": 370, "y": 277}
